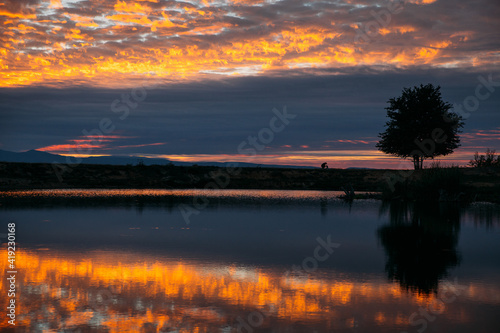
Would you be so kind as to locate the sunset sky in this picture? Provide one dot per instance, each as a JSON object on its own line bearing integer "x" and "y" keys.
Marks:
{"x": 192, "y": 80}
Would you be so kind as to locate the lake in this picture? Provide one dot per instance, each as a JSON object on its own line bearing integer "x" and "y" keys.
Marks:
{"x": 249, "y": 261}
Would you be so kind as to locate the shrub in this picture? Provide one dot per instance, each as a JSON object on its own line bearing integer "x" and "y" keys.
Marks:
{"x": 487, "y": 160}
{"x": 432, "y": 184}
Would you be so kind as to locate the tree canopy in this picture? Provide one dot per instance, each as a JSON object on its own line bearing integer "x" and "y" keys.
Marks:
{"x": 420, "y": 125}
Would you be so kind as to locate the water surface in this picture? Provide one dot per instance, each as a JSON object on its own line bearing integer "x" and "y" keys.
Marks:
{"x": 250, "y": 261}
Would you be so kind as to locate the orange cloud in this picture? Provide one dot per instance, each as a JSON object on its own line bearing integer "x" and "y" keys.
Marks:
{"x": 130, "y": 18}
{"x": 120, "y": 41}
{"x": 142, "y": 145}
{"x": 165, "y": 23}
{"x": 75, "y": 34}
{"x": 92, "y": 144}
{"x": 17, "y": 15}
{"x": 131, "y": 7}
{"x": 56, "y": 4}
{"x": 400, "y": 30}
{"x": 23, "y": 29}
{"x": 69, "y": 147}
{"x": 366, "y": 142}
{"x": 422, "y": 2}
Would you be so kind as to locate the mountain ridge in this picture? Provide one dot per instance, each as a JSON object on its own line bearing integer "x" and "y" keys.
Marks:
{"x": 37, "y": 156}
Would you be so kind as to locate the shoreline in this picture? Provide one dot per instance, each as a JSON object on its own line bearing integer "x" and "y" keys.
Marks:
{"x": 482, "y": 184}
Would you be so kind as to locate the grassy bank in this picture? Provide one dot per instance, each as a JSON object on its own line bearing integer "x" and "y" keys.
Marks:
{"x": 481, "y": 184}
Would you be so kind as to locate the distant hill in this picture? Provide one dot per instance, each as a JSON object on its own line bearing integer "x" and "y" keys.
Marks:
{"x": 36, "y": 156}
{"x": 357, "y": 168}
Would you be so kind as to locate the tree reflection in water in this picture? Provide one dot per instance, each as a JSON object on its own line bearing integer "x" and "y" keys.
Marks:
{"x": 420, "y": 243}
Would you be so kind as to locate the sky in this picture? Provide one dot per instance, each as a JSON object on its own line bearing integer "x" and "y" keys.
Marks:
{"x": 265, "y": 81}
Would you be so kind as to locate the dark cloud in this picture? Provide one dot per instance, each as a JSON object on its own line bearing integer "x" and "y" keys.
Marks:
{"x": 213, "y": 117}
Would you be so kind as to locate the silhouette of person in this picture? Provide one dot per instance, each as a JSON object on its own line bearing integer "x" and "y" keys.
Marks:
{"x": 324, "y": 166}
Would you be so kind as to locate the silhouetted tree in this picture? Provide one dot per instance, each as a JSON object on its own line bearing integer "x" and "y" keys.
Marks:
{"x": 420, "y": 126}
{"x": 487, "y": 160}
{"x": 420, "y": 242}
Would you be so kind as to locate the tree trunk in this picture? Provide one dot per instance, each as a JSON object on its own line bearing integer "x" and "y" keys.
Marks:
{"x": 418, "y": 162}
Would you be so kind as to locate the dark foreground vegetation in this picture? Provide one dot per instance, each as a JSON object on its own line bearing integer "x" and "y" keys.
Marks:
{"x": 432, "y": 184}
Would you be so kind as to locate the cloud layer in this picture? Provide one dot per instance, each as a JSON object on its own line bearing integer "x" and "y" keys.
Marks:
{"x": 338, "y": 117}
{"x": 115, "y": 43}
